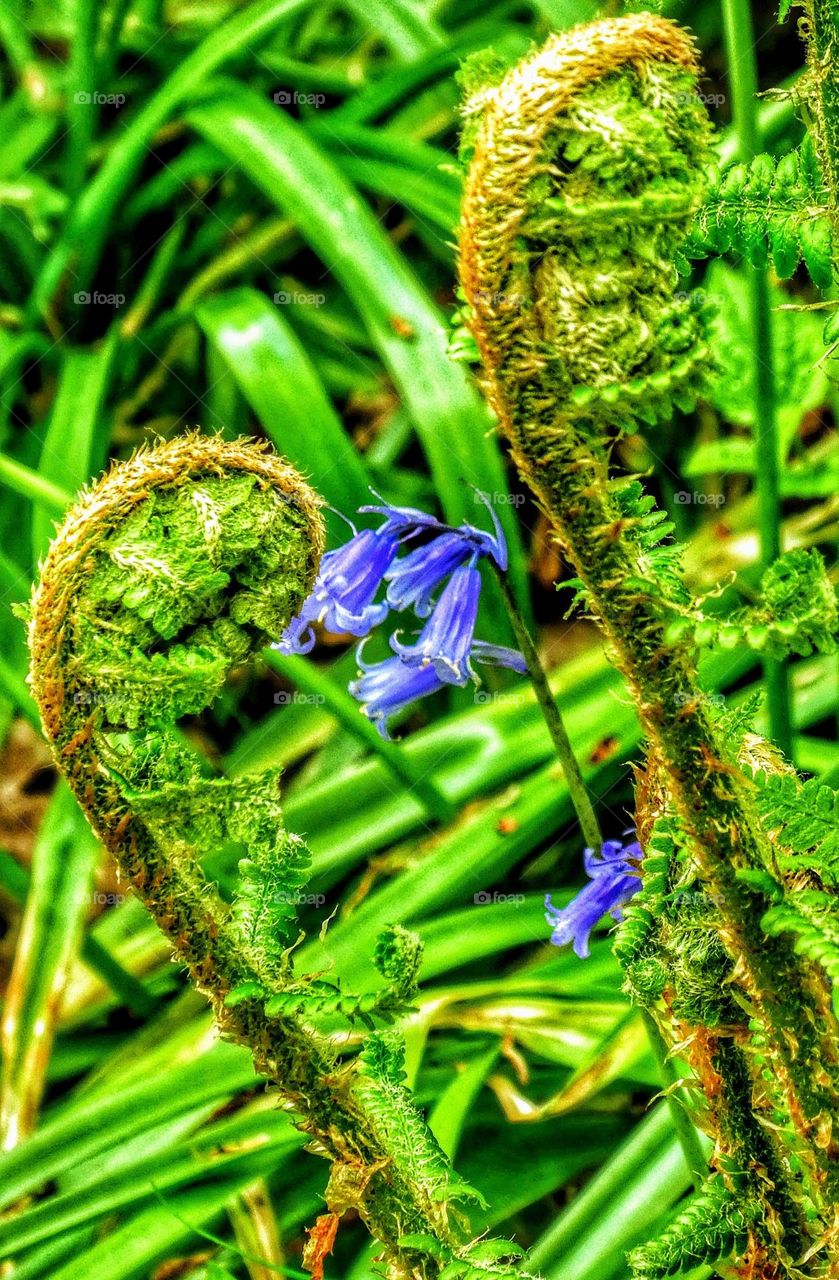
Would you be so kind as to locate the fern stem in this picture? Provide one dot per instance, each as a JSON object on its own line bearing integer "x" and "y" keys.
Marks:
{"x": 554, "y": 380}
{"x": 823, "y": 85}
{"x": 176, "y": 566}
{"x": 742, "y": 72}
{"x": 577, "y": 789}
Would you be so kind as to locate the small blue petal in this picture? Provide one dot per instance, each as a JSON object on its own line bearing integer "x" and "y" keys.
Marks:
{"x": 445, "y": 641}
{"x": 498, "y": 655}
{"x": 613, "y": 877}
{"x": 386, "y": 688}
{"x": 493, "y": 546}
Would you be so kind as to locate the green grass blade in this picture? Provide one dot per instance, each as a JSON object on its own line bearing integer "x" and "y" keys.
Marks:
{"x": 63, "y": 862}
{"x": 277, "y": 379}
{"x": 452, "y": 422}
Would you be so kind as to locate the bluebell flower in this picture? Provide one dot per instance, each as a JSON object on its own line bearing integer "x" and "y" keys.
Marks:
{"x": 387, "y": 687}
{"x": 613, "y": 876}
{"x": 413, "y": 580}
{"x": 342, "y": 598}
{"x": 445, "y": 642}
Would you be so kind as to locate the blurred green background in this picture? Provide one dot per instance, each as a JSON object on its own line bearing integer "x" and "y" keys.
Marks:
{"x": 240, "y": 217}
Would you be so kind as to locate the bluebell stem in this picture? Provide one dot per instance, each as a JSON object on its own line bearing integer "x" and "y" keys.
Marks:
{"x": 613, "y": 879}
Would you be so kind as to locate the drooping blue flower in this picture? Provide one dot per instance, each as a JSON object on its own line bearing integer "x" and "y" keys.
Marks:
{"x": 445, "y": 642}
{"x": 413, "y": 580}
{"x": 385, "y": 688}
{"x": 613, "y": 879}
{"x": 342, "y": 597}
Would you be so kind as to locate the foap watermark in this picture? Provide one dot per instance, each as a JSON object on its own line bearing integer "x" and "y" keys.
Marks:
{"x": 285, "y": 699}
{"x": 296, "y": 297}
{"x": 687, "y": 497}
{"x": 485, "y": 899}
{"x": 300, "y": 899}
{"x": 113, "y": 699}
{"x": 714, "y": 100}
{"x": 98, "y": 299}
{"x": 499, "y": 298}
{"x": 293, "y": 98}
{"x": 698, "y": 298}
{"x": 101, "y": 899}
{"x": 97, "y": 99}
{"x": 485, "y": 697}
{"x": 699, "y": 699}
{"x": 499, "y": 499}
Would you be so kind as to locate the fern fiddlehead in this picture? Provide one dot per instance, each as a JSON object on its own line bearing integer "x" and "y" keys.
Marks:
{"x": 175, "y": 567}
{"x": 588, "y": 168}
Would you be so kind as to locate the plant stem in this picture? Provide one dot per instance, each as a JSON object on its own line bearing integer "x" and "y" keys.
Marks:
{"x": 81, "y": 109}
{"x": 688, "y": 1136}
{"x": 742, "y": 73}
{"x": 823, "y": 57}
{"x": 577, "y": 788}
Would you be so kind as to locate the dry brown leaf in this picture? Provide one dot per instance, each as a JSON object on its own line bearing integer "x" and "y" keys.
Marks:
{"x": 320, "y": 1243}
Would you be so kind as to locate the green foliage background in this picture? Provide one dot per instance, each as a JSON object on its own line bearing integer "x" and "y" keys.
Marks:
{"x": 240, "y": 217}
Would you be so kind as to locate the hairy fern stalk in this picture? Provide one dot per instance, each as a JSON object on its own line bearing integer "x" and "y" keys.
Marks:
{"x": 587, "y": 171}
{"x": 175, "y": 567}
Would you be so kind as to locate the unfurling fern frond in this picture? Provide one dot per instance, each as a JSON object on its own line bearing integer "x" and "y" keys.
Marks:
{"x": 415, "y": 1151}
{"x": 803, "y": 820}
{"x": 766, "y": 209}
{"x": 714, "y": 1225}
{"x": 797, "y": 613}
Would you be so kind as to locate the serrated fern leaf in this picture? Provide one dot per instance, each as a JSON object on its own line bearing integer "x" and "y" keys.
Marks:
{"x": 803, "y": 819}
{"x": 810, "y": 918}
{"x": 650, "y": 528}
{"x": 797, "y": 613}
{"x": 769, "y": 209}
{"x": 714, "y": 1225}
{"x": 486, "y": 1259}
{"x": 272, "y": 878}
{"x": 381, "y": 1083}
{"x": 398, "y": 956}
{"x": 638, "y": 944}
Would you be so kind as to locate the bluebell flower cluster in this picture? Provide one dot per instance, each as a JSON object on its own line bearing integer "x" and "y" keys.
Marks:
{"x": 439, "y": 580}
{"x": 613, "y": 879}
